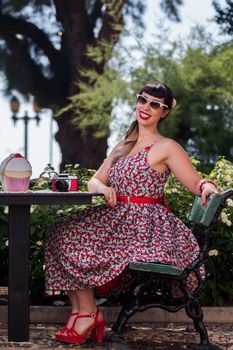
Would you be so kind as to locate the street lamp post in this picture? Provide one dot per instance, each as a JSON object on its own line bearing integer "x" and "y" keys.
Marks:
{"x": 15, "y": 105}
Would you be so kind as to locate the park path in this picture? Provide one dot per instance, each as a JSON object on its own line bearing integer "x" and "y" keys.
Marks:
{"x": 136, "y": 337}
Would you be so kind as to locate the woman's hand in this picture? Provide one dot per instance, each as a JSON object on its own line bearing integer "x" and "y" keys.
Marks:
{"x": 208, "y": 188}
{"x": 110, "y": 196}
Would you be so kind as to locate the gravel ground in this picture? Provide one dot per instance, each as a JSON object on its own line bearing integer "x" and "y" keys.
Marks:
{"x": 137, "y": 337}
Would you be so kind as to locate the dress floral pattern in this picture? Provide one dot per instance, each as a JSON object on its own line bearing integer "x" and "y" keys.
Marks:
{"x": 92, "y": 247}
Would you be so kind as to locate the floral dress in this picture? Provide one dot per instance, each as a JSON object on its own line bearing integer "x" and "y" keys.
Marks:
{"x": 94, "y": 246}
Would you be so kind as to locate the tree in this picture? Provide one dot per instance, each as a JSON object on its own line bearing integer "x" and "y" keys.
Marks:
{"x": 200, "y": 73}
{"x": 37, "y": 61}
{"x": 202, "y": 81}
{"x": 224, "y": 17}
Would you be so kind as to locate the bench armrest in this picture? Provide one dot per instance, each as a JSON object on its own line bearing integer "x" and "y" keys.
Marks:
{"x": 204, "y": 215}
{"x": 205, "y": 218}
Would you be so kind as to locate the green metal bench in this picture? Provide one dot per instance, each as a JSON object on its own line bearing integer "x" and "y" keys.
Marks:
{"x": 152, "y": 280}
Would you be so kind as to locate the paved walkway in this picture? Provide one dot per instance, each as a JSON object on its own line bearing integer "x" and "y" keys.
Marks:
{"x": 138, "y": 337}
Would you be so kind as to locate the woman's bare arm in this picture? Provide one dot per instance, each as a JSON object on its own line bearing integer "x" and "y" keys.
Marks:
{"x": 100, "y": 182}
{"x": 181, "y": 166}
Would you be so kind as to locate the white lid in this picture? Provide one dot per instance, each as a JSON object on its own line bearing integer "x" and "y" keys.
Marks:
{"x": 4, "y": 162}
{"x": 15, "y": 163}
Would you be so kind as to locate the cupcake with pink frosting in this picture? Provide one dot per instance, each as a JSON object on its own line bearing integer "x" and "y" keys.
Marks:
{"x": 15, "y": 173}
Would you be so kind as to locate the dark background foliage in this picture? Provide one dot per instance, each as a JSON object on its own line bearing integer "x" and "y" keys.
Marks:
{"x": 218, "y": 288}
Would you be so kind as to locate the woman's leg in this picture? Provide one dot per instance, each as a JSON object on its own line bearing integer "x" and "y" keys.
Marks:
{"x": 74, "y": 310}
{"x": 74, "y": 307}
{"x": 86, "y": 300}
{"x": 73, "y": 300}
{"x": 87, "y": 306}
{"x": 83, "y": 303}
{"x": 88, "y": 320}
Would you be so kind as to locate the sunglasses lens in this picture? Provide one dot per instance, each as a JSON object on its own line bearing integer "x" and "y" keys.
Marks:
{"x": 154, "y": 105}
{"x": 142, "y": 99}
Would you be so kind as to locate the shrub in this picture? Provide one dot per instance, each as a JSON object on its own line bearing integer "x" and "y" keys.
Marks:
{"x": 218, "y": 288}
{"x": 219, "y": 285}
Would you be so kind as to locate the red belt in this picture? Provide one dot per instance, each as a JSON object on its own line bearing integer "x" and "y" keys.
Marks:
{"x": 142, "y": 200}
{"x": 134, "y": 199}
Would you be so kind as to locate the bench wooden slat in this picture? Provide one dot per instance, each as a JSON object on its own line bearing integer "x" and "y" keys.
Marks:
{"x": 156, "y": 268}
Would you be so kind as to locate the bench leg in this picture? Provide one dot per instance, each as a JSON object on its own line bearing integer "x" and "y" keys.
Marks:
{"x": 125, "y": 314}
{"x": 194, "y": 311}
{"x": 128, "y": 311}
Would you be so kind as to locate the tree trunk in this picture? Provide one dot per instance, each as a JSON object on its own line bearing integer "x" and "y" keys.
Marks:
{"x": 76, "y": 146}
{"x": 78, "y": 21}
{"x": 79, "y": 147}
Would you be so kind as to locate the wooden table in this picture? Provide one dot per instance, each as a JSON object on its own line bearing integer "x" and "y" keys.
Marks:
{"x": 19, "y": 229}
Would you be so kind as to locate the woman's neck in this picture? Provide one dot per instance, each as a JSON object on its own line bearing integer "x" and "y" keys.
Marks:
{"x": 145, "y": 135}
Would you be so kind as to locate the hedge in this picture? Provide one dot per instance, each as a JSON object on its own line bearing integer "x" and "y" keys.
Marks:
{"x": 218, "y": 288}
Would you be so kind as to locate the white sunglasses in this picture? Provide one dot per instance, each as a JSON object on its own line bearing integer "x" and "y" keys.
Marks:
{"x": 142, "y": 99}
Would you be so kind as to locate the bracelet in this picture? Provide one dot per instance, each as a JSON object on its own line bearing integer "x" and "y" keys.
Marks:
{"x": 202, "y": 182}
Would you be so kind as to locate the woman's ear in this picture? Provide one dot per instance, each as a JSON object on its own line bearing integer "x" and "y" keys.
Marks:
{"x": 173, "y": 103}
{"x": 165, "y": 113}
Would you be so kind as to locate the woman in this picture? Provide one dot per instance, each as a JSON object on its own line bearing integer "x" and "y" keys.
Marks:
{"x": 91, "y": 248}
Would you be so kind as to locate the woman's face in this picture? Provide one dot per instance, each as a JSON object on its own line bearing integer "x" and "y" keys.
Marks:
{"x": 146, "y": 114}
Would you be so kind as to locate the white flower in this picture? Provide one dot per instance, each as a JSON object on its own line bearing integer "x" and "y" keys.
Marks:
{"x": 43, "y": 267}
{"x": 32, "y": 208}
{"x": 168, "y": 192}
{"x": 6, "y": 210}
{"x": 224, "y": 216}
{"x": 228, "y": 178}
{"x": 229, "y": 202}
{"x": 59, "y": 211}
{"x": 221, "y": 165}
{"x": 7, "y": 243}
{"x": 174, "y": 190}
{"x": 225, "y": 220}
{"x": 42, "y": 182}
{"x": 213, "y": 252}
{"x": 39, "y": 243}
{"x": 69, "y": 209}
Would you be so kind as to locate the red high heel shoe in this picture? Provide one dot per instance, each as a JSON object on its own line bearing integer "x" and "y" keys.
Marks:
{"x": 61, "y": 331}
{"x": 96, "y": 330}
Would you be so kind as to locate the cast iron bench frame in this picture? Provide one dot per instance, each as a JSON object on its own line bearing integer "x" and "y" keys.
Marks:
{"x": 147, "y": 274}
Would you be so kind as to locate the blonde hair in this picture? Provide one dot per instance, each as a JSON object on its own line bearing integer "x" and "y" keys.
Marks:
{"x": 129, "y": 141}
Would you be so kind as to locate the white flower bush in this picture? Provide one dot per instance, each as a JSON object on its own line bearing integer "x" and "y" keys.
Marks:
{"x": 221, "y": 237}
